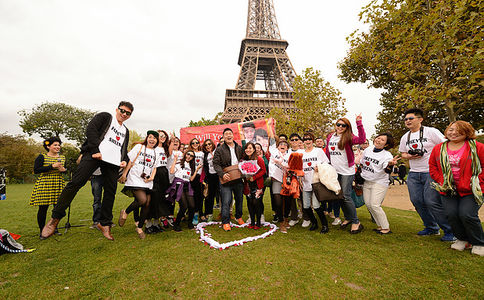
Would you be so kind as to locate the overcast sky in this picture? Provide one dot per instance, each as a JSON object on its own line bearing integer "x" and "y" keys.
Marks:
{"x": 172, "y": 59}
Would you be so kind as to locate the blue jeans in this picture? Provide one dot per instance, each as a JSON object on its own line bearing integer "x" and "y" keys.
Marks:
{"x": 427, "y": 201}
{"x": 347, "y": 204}
{"x": 462, "y": 213}
{"x": 226, "y": 192}
{"x": 97, "y": 193}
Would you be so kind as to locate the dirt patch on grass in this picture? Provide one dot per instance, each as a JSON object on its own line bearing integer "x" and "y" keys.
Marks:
{"x": 354, "y": 286}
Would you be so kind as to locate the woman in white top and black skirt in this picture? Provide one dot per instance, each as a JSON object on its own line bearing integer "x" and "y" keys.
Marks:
{"x": 210, "y": 177}
{"x": 139, "y": 180}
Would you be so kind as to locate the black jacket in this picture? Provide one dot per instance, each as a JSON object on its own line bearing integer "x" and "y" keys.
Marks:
{"x": 223, "y": 159}
{"x": 95, "y": 132}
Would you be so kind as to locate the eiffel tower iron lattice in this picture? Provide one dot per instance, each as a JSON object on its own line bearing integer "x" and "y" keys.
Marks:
{"x": 262, "y": 57}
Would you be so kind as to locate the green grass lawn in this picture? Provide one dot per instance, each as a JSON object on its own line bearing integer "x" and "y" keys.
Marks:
{"x": 300, "y": 264}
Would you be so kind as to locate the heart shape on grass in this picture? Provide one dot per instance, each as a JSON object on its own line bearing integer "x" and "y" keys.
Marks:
{"x": 208, "y": 240}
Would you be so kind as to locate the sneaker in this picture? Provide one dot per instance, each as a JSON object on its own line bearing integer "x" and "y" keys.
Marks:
{"x": 331, "y": 215}
{"x": 209, "y": 218}
{"x": 428, "y": 231}
{"x": 306, "y": 223}
{"x": 478, "y": 250}
{"x": 459, "y": 245}
{"x": 248, "y": 220}
{"x": 227, "y": 227}
{"x": 336, "y": 222}
{"x": 240, "y": 221}
{"x": 262, "y": 219}
{"x": 195, "y": 219}
{"x": 293, "y": 222}
{"x": 448, "y": 237}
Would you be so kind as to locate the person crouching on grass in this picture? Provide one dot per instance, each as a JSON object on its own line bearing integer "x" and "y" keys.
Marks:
{"x": 106, "y": 146}
{"x": 181, "y": 190}
{"x": 456, "y": 166}
{"x": 139, "y": 180}
{"x": 253, "y": 186}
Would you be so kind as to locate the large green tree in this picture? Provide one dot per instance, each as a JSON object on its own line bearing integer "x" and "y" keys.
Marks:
{"x": 206, "y": 122}
{"x": 17, "y": 156}
{"x": 423, "y": 53}
{"x": 317, "y": 106}
{"x": 56, "y": 119}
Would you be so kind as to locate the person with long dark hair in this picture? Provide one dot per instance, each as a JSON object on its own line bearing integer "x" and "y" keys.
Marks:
{"x": 254, "y": 185}
{"x": 50, "y": 182}
{"x": 456, "y": 165}
{"x": 196, "y": 147}
{"x": 181, "y": 190}
{"x": 210, "y": 178}
{"x": 158, "y": 205}
{"x": 376, "y": 163}
{"x": 138, "y": 177}
{"x": 342, "y": 158}
{"x": 277, "y": 168}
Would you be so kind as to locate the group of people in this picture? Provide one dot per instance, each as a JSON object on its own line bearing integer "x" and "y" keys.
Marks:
{"x": 160, "y": 172}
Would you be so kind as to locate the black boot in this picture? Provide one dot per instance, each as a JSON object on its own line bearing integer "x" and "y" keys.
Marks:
{"x": 324, "y": 221}
{"x": 312, "y": 218}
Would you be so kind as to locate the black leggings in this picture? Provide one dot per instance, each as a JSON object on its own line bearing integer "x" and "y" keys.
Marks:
{"x": 254, "y": 204}
{"x": 42, "y": 215}
{"x": 161, "y": 182}
{"x": 282, "y": 206}
{"x": 186, "y": 202}
{"x": 197, "y": 194}
{"x": 213, "y": 186}
{"x": 141, "y": 199}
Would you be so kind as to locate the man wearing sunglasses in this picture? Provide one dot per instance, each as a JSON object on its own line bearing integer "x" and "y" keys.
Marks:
{"x": 416, "y": 146}
{"x": 106, "y": 147}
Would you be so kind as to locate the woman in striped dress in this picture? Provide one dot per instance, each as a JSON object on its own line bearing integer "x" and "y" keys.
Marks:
{"x": 50, "y": 183}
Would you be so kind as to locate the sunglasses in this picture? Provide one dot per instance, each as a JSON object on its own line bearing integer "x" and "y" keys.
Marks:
{"x": 341, "y": 125}
{"x": 208, "y": 144}
{"x": 188, "y": 154}
{"x": 409, "y": 119}
{"x": 195, "y": 143}
{"x": 123, "y": 111}
{"x": 294, "y": 140}
{"x": 307, "y": 139}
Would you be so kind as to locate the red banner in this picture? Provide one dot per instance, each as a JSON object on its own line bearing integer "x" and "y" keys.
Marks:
{"x": 257, "y": 131}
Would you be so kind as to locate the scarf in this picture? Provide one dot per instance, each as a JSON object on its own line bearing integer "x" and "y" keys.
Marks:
{"x": 447, "y": 186}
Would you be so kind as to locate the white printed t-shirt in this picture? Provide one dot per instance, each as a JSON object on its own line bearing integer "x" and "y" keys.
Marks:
{"x": 145, "y": 162}
{"x": 162, "y": 159}
{"x": 339, "y": 160}
{"x": 275, "y": 170}
{"x": 310, "y": 161}
{"x": 373, "y": 165}
{"x": 110, "y": 146}
{"x": 184, "y": 173}
{"x": 199, "y": 160}
{"x": 430, "y": 138}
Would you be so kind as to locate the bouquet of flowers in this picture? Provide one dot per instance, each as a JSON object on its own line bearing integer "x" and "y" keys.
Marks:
{"x": 248, "y": 167}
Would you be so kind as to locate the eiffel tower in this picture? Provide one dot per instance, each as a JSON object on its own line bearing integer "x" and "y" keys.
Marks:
{"x": 262, "y": 57}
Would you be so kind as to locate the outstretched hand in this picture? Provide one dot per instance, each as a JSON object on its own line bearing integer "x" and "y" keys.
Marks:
{"x": 394, "y": 160}
{"x": 358, "y": 117}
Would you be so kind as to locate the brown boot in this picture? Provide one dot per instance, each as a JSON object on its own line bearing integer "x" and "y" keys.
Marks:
{"x": 106, "y": 230}
{"x": 49, "y": 228}
{"x": 284, "y": 225}
{"x": 122, "y": 218}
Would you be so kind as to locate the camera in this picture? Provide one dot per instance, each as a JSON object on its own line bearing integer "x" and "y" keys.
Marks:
{"x": 144, "y": 176}
{"x": 418, "y": 152}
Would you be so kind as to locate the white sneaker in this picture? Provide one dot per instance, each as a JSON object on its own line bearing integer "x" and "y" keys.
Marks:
{"x": 459, "y": 245}
{"x": 262, "y": 219}
{"x": 478, "y": 250}
{"x": 306, "y": 223}
{"x": 293, "y": 222}
{"x": 336, "y": 221}
{"x": 248, "y": 221}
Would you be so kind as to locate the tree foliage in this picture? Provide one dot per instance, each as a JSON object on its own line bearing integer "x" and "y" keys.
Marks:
{"x": 425, "y": 54}
{"x": 56, "y": 119}
{"x": 134, "y": 137}
{"x": 317, "y": 106}
{"x": 17, "y": 156}
{"x": 206, "y": 122}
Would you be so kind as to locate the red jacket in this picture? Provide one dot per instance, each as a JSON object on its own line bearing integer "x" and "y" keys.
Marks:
{"x": 258, "y": 177}
{"x": 464, "y": 185}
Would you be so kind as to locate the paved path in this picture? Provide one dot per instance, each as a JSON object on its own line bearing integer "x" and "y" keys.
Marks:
{"x": 397, "y": 197}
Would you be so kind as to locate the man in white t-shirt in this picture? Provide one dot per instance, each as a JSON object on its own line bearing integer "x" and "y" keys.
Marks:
{"x": 416, "y": 146}
{"x": 106, "y": 147}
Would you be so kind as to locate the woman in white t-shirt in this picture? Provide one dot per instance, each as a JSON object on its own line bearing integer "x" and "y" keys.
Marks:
{"x": 181, "y": 190}
{"x": 376, "y": 165}
{"x": 210, "y": 178}
{"x": 340, "y": 153}
{"x": 196, "y": 147}
{"x": 277, "y": 168}
{"x": 138, "y": 183}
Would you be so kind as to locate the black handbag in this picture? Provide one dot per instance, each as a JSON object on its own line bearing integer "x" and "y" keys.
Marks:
{"x": 324, "y": 194}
